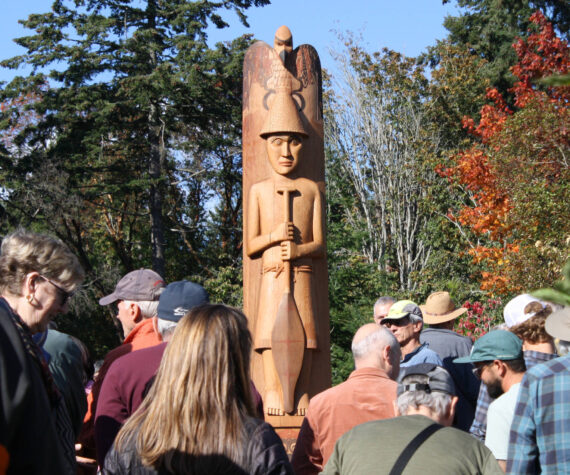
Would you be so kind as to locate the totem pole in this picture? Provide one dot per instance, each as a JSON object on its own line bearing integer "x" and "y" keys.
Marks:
{"x": 285, "y": 272}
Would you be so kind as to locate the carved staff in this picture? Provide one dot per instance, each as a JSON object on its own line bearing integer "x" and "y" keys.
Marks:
{"x": 288, "y": 336}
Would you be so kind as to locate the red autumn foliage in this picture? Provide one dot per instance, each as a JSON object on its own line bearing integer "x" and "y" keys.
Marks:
{"x": 489, "y": 215}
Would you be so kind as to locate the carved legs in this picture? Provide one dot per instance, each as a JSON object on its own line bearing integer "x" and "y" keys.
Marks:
{"x": 272, "y": 400}
{"x": 272, "y": 397}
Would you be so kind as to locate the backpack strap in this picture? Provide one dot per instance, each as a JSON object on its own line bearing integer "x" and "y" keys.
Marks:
{"x": 411, "y": 448}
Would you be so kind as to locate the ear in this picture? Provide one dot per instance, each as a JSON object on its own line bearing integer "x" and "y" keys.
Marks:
{"x": 501, "y": 367}
{"x": 155, "y": 327}
{"x": 386, "y": 355}
{"x": 30, "y": 283}
{"x": 135, "y": 312}
{"x": 418, "y": 327}
{"x": 396, "y": 410}
{"x": 451, "y": 411}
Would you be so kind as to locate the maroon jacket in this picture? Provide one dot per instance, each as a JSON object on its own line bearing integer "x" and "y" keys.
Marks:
{"x": 123, "y": 390}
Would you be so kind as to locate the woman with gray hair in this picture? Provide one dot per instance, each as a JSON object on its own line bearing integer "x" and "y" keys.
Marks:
{"x": 38, "y": 275}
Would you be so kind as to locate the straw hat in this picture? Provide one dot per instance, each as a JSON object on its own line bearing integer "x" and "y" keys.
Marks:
{"x": 439, "y": 308}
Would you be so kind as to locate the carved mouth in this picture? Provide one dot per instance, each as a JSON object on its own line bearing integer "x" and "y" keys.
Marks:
{"x": 285, "y": 162}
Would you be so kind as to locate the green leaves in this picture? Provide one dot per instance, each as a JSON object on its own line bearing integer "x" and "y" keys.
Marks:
{"x": 560, "y": 291}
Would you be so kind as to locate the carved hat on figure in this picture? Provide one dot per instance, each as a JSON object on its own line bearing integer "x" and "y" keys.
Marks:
{"x": 283, "y": 114}
{"x": 439, "y": 308}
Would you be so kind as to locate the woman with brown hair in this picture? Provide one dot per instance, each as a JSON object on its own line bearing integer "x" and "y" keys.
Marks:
{"x": 198, "y": 415}
{"x": 38, "y": 275}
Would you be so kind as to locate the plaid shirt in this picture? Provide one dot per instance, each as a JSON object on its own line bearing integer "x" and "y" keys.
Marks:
{"x": 540, "y": 434}
{"x": 479, "y": 427}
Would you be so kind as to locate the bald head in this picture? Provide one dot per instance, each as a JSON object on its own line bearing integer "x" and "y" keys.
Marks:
{"x": 283, "y": 42}
{"x": 374, "y": 346}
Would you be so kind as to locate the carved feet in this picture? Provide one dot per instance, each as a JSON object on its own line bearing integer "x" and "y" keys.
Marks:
{"x": 273, "y": 406}
{"x": 272, "y": 403}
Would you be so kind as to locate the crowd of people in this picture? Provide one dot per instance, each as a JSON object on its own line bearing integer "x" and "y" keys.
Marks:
{"x": 177, "y": 397}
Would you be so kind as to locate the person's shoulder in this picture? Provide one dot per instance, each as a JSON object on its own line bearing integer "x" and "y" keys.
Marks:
{"x": 307, "y": 184}
{"x": 261, "y": 185}
{"x": 430, "y": 356}
{"x": 551, "y": 368}
{"x": 140, "y": 356}
{"x": 323, "y": 398}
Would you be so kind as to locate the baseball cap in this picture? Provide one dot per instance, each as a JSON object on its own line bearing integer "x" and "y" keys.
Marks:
{"x": 402, "y": 309}
{"x": 438, "y": 379}
{"x": 180, "y": 297}
{"x": 514, "y": 311}
{"x": 495, "y": 345}
{"x": 142, "y": 284}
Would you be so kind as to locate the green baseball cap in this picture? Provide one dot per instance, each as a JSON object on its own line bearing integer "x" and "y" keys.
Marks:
{"x": 402, "y": 309}
{"x": 496, "y": 345}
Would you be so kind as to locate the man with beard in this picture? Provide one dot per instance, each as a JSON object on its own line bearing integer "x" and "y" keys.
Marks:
{"x": 499, "y": 363}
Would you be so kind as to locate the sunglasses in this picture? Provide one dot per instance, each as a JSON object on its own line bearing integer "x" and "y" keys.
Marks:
{"x": 479, "y": 369}
{"x": 401, "y": 322}
{"x": 64, "y": 295}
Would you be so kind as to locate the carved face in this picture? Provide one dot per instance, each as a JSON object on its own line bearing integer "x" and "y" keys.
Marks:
{"x": 283, "y": 152}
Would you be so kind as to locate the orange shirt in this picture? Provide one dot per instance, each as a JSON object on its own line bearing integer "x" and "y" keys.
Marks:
{"x": 368, "y": 394}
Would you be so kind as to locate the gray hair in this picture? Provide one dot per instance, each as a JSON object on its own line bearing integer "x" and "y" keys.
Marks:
{"x": 385, "y": 300}
{"x": 165, "y": 327}
{"x": 149, "y": 308}
{"x": 377, "y": 340}
{"x": 436, "y": 401}
{"x": 416, "y": 319}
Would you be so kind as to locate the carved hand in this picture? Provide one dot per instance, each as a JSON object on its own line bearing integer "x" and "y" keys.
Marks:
{"x": 283, "y": 232}
{"x": 289, "y": 251}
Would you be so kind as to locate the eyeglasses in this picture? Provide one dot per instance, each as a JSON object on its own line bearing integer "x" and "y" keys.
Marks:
{"x": 479, "y": 369}
{"x": 64, "y": 295}
{"x": 401, "y": 322}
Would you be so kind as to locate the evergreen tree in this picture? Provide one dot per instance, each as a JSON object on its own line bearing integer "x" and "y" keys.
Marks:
{"x": 490, "y": 27}
{"x": 125, "y": 133}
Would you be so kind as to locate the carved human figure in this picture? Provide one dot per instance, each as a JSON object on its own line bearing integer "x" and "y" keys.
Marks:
{"x": 297, "y": 240}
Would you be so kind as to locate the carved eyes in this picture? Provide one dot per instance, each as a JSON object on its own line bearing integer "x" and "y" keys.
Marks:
{"x": 291, "y": 140}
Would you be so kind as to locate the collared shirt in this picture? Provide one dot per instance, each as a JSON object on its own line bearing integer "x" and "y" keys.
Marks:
{"x": 450, "y": 345}
{"x": 422, "y": 354}
{"x": 540, "y": 433}
{"x": 479, "y": 427}
{"x": 368, "y": 394}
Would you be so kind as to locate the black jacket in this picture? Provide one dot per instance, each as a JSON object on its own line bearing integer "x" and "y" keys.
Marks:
{"x": 265, "y": 455}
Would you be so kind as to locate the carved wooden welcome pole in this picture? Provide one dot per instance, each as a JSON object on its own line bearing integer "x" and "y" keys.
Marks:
{"x": 285, "y": 271}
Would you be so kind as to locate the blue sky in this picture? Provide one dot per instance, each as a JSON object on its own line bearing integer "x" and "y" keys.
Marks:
{"x": 407, "y": 26}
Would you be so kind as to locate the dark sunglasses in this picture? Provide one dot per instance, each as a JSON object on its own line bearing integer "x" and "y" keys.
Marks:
{"x": 479, "y": 369}
{"x": 401, "y": 322}
{"x": 64, "y": 295}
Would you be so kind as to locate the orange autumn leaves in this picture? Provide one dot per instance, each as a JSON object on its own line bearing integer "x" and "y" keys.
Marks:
{"x": 518, "y": 156}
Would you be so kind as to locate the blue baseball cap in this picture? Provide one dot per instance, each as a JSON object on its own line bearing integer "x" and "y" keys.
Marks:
{"x": 178, "y": 298}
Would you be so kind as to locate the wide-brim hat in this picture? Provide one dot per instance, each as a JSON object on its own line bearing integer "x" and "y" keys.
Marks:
{"x": 557, "y": 324}
{"x": 439, "y": 308}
